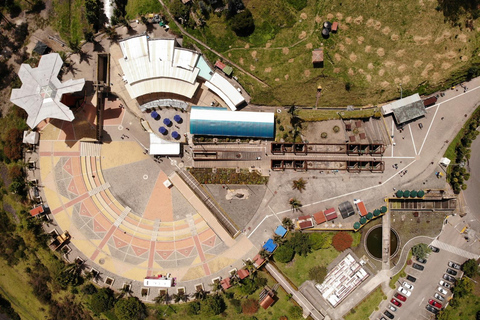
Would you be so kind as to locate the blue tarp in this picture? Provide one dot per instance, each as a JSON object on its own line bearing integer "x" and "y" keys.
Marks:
{"x": 281, "y": 231}
{"x": 154, "y": 114}
{"x": 270, "y": 246}
{"x": 162, "y": 130}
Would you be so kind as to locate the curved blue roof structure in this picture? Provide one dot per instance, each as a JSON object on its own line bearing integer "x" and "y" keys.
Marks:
{"x": 221, "y": 122}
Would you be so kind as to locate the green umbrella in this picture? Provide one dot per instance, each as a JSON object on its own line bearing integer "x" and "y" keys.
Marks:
{"x": 413, "y": 194}
{"x": 376, "y": 212}
{"x": 406, "y": 194}
{"x": 383, "y": 209}
{"x": 363, "y": 220}
{"x": 356, "y": 225}
{"x": 399, "y": 193}
{"x": 369, "y": 216}
{"x": 420, "y": 193}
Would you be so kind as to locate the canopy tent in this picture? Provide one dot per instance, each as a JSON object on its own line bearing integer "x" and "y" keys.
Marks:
{"x": 413, "y": 194}
{"x": 369, "y": 216}
{"x": 281, "y": 231}
{"x": 406, "y": 194}
{"x": 420, "y": 193}
{"x": 399, "y": 194}
{"x": 270, "y": 246}
{"x": 154, "y": 115}
{"x": 175, "y": 135}
{"x": 383, "y": 209}
{"x": 376, "y": 212}
{"x": 41, "y": 91}
{"x": 167, "y": 122}
{"x": 162, "y": 130}
{"x": 356, "y": 225}
{"x": 30, "y": 137}
{"x": 177, "y": 118}
{"x": 363, "y": 220}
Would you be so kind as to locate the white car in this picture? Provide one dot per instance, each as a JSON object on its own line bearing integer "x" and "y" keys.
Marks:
{"x": 442, "y": 291}
{"x": 392, "y": 308}
{"x": 408, "y": 286}
{"x": 404, "y": 291}
{"x": 445, "y": 284}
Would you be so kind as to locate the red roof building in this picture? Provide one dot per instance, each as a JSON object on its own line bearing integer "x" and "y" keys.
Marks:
{"x": 243, "y": 273}
{"x": 319, "y": 217}
{"x": 267, "y": 301}
{"x": 361, "y": 208}
{"x": 220, "y": 65}
{"x": 330, "y": 214}
{"x": 36, "y": 211}
{"x": 225, "y": 283}
{"x": 305, "y": 224}
{"x": 258, "y": 261}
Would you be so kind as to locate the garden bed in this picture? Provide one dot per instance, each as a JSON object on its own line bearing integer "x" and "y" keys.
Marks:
{"x": 227, "y": 176}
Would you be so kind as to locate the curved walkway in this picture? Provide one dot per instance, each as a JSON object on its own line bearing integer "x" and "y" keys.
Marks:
{"x": 405, "y": 250}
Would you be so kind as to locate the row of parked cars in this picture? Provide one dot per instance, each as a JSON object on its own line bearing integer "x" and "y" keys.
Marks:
{"x": 448, "y": 281}
{"x": 405, "y": 290}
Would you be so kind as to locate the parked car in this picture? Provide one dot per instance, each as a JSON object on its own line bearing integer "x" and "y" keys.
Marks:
{"x": 454, "y": 265}
{"x": 400, "y": 297}
{"x": 438, "y": 297}
{"x": 392, "y": 308}
{"x": 420, "y": 125}
{"x": 404, "y": 291}
{"x": 445, "y": 284}
{"x": 431, "y": 309}
{"x": 435, "y": 303}
{"x": 449, "y": 278}
{"x": 452, "y": 272}
{"x": 441, "y": 290}
{"x": 422, "y": 260}
{"x": 434, "y": 249}
{"x": 389, "y": 314}
{"x": 411, "y": 279}
{"x": 396, "y": 302}
{"x": 407, "y": 285}
{"x": 418, "y": 267}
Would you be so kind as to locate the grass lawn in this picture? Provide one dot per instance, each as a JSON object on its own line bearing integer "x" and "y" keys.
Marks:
{"x": 69, "y": 19}
{"x": 137, "y": 8}
{"x": 367, "y": 306}
{"x": 364, "y": 62}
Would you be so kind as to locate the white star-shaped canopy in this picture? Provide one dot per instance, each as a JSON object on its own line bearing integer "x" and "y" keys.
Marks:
{"x": 41, "y": 91}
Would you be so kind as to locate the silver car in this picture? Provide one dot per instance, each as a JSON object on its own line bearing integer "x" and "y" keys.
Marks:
{"x": 407, "y": 286}
{"x": 439, "y": 297}
{"x": 392, "y": 308}
{"x": 442, "y": 291}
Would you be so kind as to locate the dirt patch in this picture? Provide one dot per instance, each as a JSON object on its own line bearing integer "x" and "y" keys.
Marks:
{"x": 277, "y": 79}
{"x": 268, "y": 45}
{"x": 462, "y": 37}
{"x": 348, "y": 20}
{"x": 445, "y": 35}
{"x": 451, "y": 55}
{"x": 318, "y": 19}
{"x": 269, "y": 69}
{"x": 378, "y": 25}
{"x": 425, "y": 71}
{"x": 341, "y": 47}
{"x": 420, "y": 2}
{"x": 285, "y": 50}
{"x": 397, "y": 80}
{"x": 254, "y": 54}
{"x": 370, "y": 66}
{"x": 418, "y": 63}
{"x": 395, "y": 37}
{"x": 240, "y": 61}
{"x": 247, "y": 46}
{"x": 369, "y": 78}
{"x": 422, "y": 40}
{"x": 307, "y": 73}
{"x": 464, "y": 58}
{"x": 330, "y": 16}
{"x": 402, "y": 68}
{"x": 303, "y": 15}
{"x": 381, "y": 72}
{"x": 252, "y": 67}
{"x": 339, "y": 16}
{"x": 368, "y": 49}
{"x": 291, "y": 60}
{"x": 385, "y": 84}
{"x": 389, "y": 64}
{"x": 406, "y": 79}
{"x": 350, "y": 72}
{"x": 309, "y": 46}
{"x": 386, "y": 30}
{"x": 348, "y": 41}
{"x": 361, "y": 71}
{"x": 446, "y": 65}
{"x": 353, "y": 57}
{"x": 370, "y": 23}
{"x": 338, "y": 57}
{"x": 302, "y": 35}
{"x": 358, "y": 20}
{"x": 337, "y": 70}
{"x": 287, "y": 76}
{"x": 380, "y": 52}
{"x": 400, "y": 53}
{"x": 360, "y": 40}
{"x": 436, "y": 76}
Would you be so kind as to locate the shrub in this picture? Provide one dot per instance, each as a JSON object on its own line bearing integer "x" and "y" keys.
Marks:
{"x": 214, "y": 304}
{"x": 320, "y": 240}
{"x": 130, "y": 308}
{"x": 470, "y": 267}
{"x": 89, "y": 289}
{"x": 421, "y": 250}
{"x": 193, "y": 308}
{"x": 317, "y": 273}
{"x": 248, "y": 286}
{"x": 298, "y": 4}
{"x": 342, "y": 241}
{"x": 13, "y": 144}
{"x": 250, "y": 306}
{"x": 281, "y": 128}
{"x": 237, "y": 305}
{"x": 336, "y": 129}
{"x": 324, "y": 135}
{"x": 101, "y": 301}
{"x": 284, "y": 253}
{"x": 242, "y": 24}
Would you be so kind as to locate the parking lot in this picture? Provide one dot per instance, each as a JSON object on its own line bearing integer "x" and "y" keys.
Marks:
{"x": 424, "y": 288}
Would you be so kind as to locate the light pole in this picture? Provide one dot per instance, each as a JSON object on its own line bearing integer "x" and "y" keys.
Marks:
{"x": 401, "y": 91}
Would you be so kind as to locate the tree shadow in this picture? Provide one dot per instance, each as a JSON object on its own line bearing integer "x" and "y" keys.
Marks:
{"x": 97, "y": 47}
{"x": 85, "y": 56}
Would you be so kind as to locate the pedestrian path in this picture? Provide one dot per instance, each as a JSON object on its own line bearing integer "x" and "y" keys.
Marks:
{"x": 455, "y": 250}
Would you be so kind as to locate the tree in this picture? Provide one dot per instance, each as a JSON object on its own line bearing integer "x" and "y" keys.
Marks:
{"x": 299, "y": 184}
{"x": 215, "y": 285}
{"x": 463, "y": 288}
{"x": 342, "y": 241}
{"x": 248, "y": 286}
{"x": 242, "y": 24}
{"x": 249, "y": 266}
{"x": 13, "y": 144}
{"x": 130, "y": 308}
{"x": 300, "y": 243}
{"x": 295, "y": 204}
{"x": 250, "y": 306}
{"x": 421, "y": 250}
{"x": 214, "y": 304}
{"x": 193, "y": 308}
{"x": 317, "y": 273}
{"x": 89, "y": 289}
{"x": 161, "y": 298}
{"x": 264, "y": 254}
{"x": 470, "y": 267}
{"x": 68, "y": 308}
{"x": 284, "y": 253}
{"x": 287, "y": 223}
{"x": 103, "y": 300}
{"x": 278, "y": 239}
{"x": 321, "y": 240}
{"x": 199, "y": 294}
{"x": 179, "y": 10}
{"x": 180, "y": 296}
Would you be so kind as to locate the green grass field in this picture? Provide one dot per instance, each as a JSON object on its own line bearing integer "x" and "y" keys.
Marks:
{"x": 378, "y": 46}
{"x": 367, "y": 306}
{"x": 137, "y": 8}
{"x": 69, "y": 19}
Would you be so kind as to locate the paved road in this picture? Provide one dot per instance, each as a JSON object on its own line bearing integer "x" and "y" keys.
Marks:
{"x": 308, "y": 308}
{"x": 405, "y": 250}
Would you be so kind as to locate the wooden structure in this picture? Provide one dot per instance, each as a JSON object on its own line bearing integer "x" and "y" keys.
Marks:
{"x": 317, "y": 58}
